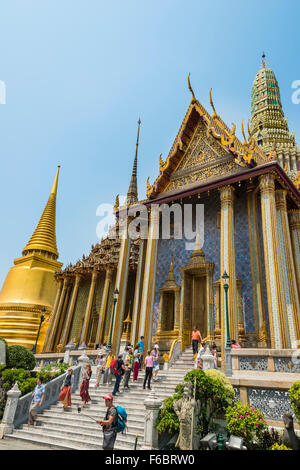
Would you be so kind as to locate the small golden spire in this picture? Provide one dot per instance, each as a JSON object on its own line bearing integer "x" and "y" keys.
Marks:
{"x": 44, "y": 237}
{"x": 191, "y": 89}
{"x": 243, "y": 132}
{"x": 117, "y": 203}
{"x": 212, "y": 104}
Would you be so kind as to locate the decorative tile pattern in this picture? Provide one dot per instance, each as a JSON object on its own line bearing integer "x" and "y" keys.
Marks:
{"x": 237, "y": 395}
{"x": 242, "y": 255}
{"x": 176, "y": 249}
{"x": 273, "y": 403}
{"x": 285, "y": 364}
{"x": 251, "y": 363}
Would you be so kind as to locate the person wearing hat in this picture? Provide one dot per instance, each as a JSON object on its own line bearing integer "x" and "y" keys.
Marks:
{"x": 66, "y": 390}
{"x": 155, "y": 355}
{"x": 109, "y": 424}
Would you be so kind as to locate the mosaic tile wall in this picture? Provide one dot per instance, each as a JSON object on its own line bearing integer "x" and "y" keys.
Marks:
{"x": 242, "y": 254}
{"x": 265, "y": 298}
{"x": 177, "y": 250}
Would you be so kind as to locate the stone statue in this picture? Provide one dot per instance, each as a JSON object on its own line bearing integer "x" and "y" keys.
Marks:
{"x": 187, "y": 410}
{"x": 289, "y": 437}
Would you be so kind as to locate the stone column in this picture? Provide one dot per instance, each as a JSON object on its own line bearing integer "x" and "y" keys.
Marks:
{"x": 294, "y": 218}
{"x": 149, "y": 278}
{"x": 56, "y": 316}
{"x": 68, "y": 321}
{"x": 137, "y": 294}
{"x": 85, "y": 326}
{"x": 289, "y": 286}
{"x": 177, "y": 309}
{"x": 256, "y": 266}
{"x": 271, "y": 252}
{"x": 54, "y": 313}
{"x": 121, "y": 285}
{"x": 104, "y": 301}
{"x": 69, "y": 347}
{"x": 152, "y": 407}
{"x": 7, "y": 425}
{"x": 228, "y": 264}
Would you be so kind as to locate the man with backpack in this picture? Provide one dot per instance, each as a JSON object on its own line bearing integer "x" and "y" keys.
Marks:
{"x": 114, "y": 422}
{"x": 109, "y": 424}
{"x": 119, "y": 370}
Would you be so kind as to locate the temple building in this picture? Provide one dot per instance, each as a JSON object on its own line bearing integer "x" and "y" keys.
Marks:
{"x": 250, "y": 194}
{"x": 30, "y": 288}
{"x": 251, "y": 231}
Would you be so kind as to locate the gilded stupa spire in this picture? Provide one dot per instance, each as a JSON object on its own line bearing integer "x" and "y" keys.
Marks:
{"x": 44, "y": 236}
{"x": 132, "y": 194}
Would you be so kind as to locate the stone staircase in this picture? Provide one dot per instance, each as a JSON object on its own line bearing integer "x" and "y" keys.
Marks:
{"x": 70, "y": 430}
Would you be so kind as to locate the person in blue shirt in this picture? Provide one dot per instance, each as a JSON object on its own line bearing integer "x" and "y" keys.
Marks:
{"x": 37, "y": 400}
{"x": 141, "y": 346}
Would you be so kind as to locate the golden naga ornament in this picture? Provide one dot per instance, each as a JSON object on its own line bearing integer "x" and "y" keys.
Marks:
{"x": 191, "y": 89}
{"x": 212, "y": 104}
{"x": 161, "y": 163}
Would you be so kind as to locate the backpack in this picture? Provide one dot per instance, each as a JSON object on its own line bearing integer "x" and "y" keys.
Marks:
{"x": 122, "y": 419}
{"x": 113, "y": 364}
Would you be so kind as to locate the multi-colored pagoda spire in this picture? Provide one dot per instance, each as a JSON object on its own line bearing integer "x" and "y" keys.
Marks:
{"x": 269, "y": 127}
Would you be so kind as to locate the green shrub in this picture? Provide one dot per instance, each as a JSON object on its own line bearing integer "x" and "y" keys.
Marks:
{"x": 269, "y": 438}
{"x": 279, "y": 447}
{"x": 167, "y": 419}
{"x": 246, "y": 422}
{"x": 215, "y": 394}
{"x": 19, "y": 357}
{"x": 294, "y": 394}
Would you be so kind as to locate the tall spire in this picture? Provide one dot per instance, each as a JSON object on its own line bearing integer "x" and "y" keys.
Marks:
{"x": 263, "y": 60}
{"x": 44, "y": 237}
{"x": 132, "y": 194}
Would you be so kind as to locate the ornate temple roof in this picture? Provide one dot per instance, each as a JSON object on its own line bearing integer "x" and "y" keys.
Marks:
{"x": 44, "y": 236}
{"x": 245, "y": 155}
{"x": 103, "y": 255}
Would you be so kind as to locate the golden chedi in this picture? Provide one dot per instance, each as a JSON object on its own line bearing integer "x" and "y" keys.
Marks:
{"x": 30, "y": 286}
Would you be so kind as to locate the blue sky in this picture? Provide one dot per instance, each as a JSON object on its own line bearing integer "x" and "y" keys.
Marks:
{"x": 78, "y": 75}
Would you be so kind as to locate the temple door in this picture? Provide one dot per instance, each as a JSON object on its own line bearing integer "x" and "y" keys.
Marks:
{"x": 199, "y": 304}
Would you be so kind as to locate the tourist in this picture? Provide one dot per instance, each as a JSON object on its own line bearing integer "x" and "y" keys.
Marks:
{"x": 128, "y": 368}
{"x": 149, "y": 369}
{"x": 196, "y": 337}
{"x": 109, "y": 424}
{"x": 235, "y": 345}
{"x": 199, "y": 356}
{"x": 124, "y": 354}
{"x": 100, "y": 361}
{"x": 37, "y": 400}
{"x": 66, "y": 390}
{"x": 136, "y": 362}
{"x": 215, "y": 354}
{"x": 84, "y": 387}
{"x": 107, "y": 371}
{"x": 141, "y": 346}
{"x": 155, "y": 355}
{"x": 119, "y": 372}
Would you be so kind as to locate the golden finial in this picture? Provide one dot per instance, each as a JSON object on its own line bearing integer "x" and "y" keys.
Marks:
{"x": 191, "y": 89}
{"x": 212, "y": 104}
{"x": 148, "y": 184}
{"x": 243, "y": 132}
{"x": 117, "y": 203}
{"x": 161, "y": 162}
{"x": 248, "y": 126}
{"x": 233, "y": 129}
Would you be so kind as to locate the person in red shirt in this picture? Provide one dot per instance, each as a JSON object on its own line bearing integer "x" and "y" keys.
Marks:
{"x": 196, "y": 337}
